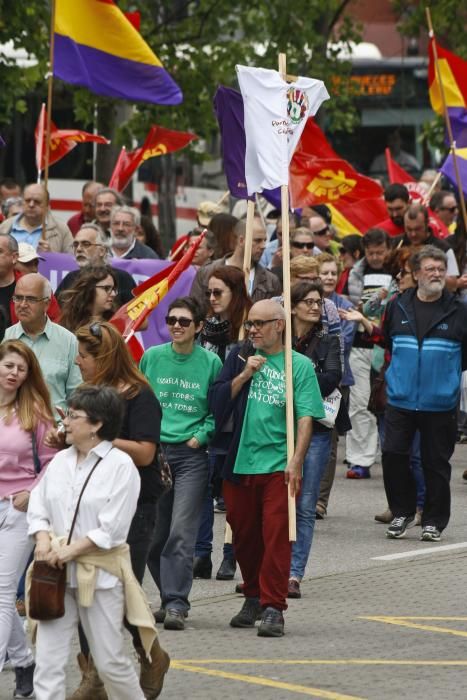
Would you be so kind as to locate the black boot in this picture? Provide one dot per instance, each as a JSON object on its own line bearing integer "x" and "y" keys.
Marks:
{"x": 226, "y": 570}
{"x": 202, "y": 567}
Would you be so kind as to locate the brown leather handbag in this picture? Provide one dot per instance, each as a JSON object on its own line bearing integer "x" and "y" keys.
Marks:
{"x": 47, "y": 589}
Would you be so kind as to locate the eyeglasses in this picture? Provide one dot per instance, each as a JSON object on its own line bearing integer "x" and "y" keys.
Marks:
{"x": 450, "y": 209}
{"x": 321, "y": 232}
{"x": 19, "y": 299}
{"x": 312, "y": 302}
{"x": 73, "y": 416}
{"x": 302, "y": 246}
{"x": 108, "y": 288}
{"x": 257, "y": 325}
{"x": 84, "y": 244}
{"x": 182, "y": 321}
{"x": 216, "y": 293}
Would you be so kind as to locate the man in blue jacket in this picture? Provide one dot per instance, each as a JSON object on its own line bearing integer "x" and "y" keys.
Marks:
{"x": 426, "y": 332}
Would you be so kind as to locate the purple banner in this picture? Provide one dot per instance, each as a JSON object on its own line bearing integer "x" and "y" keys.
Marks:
{"x": 57, "y": 265}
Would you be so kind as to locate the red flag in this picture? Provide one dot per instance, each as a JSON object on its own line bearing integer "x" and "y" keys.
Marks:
{"x": 358, "y": 217}
{"x": 313, "y": 142}
{"x": 328, "y": 180}
{"x": 62, "y": 141}
{"x": 396, "y": 174}
{"x": 147, "y": 296}
{"x": 158, "y": 142}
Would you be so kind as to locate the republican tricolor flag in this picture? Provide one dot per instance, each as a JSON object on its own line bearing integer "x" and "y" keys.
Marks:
{"x": 97, "y": 47}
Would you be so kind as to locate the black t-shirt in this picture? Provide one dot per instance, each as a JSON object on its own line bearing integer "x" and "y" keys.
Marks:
{"x": 425, "y": 312}
{"x": 5, "y": 298}
{"x": 142, "y": 421}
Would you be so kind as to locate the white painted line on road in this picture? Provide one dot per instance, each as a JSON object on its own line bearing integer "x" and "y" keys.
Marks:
{"x": 419, "y": 552}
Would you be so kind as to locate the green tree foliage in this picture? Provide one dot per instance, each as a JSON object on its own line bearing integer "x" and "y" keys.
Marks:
{"x": 26, "y": 26}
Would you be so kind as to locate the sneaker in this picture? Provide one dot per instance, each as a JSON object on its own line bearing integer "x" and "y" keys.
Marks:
{"x": 385, "y": 517}
{"x": 202, "y": 567}
{"x": 430, "y": 533}
{"x": 226, "y": 570}
{"x": 294, "y": 589}
{"x": 250, "y": 612}
{"x": 398, "y": 527}
{"x": 272, "y": 623}
{"x": 356, "y": 472}
{"x": 24, "y": 687}
{"x": 174, "y": 619}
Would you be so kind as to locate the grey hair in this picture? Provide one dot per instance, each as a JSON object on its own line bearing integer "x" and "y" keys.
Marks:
{"x": 125, "y": 209}
{"x": 109, "y": 190}
{"x": 12, "y": 242}
{"x": 428, "y": 251}
{"x": 10, "y": 202}
{"x": 101, "y": 237}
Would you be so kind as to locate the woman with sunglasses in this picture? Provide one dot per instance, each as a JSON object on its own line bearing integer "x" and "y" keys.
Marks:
{"x": 92, "y": 297}
{"x": 26, "y": 416}
{"x": 229, "y": 304}
{"x": 181, "y": 373}
{"x": 104, "y": 360}
{"x": 323, "y": 349}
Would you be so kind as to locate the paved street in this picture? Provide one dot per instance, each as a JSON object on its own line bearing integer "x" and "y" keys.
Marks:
{"x": 378, "y": 619}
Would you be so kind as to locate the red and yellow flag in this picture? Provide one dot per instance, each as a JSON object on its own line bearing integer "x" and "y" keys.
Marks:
{"x": 62, "y": 141}
{"x": 453, "y": 71}
{"x": 158, "y": 142}
{"x": 129, "y": 318}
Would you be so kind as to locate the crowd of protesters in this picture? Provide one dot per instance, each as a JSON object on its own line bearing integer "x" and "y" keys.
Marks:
{"x": 379, "y": 344}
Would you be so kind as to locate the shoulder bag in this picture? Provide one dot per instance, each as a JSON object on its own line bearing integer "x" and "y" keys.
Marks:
{"x": 47, "y": 589}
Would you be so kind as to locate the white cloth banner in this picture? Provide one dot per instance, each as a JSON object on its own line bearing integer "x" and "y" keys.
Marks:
{"x": 275, "y": 116}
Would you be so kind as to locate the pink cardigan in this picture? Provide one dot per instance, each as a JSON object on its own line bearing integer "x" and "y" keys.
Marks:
{"x": 17, "y": 471}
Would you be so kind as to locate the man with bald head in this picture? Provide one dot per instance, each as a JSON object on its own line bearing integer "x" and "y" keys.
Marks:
{"x": 55, "y": 347}
{"x": 250, "y": 390}
{"x": 26, "y": 227}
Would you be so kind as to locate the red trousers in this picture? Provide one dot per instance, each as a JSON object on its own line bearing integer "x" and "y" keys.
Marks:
{"x": 257, "y": 512}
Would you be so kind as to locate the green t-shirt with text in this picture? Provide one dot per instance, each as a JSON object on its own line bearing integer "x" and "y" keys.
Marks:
{"x": 181, "y": 383}
{"x": 263, "y": 442}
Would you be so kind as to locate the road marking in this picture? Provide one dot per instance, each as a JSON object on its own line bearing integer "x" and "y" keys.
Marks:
{"x": 419, "y": 552}
{"x": 408, "y": 622}
{"x": 329, "y": 662}
{"x": 267, "y": 682}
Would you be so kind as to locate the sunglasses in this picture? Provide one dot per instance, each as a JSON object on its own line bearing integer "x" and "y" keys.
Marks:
{"x": 182, "y": 321}
{"x": 321, "y": 232}
{"x": 302, "y": 246}
{"x": 257, "y": 325}
{"x": 96, "y": 330}
{"x": 216, "y": 293}
{"x": 450, "y": 209}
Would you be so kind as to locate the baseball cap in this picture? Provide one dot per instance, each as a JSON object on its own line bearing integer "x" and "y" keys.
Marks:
{"x": 206, "y": 210}
{"x": 27, "y": 252}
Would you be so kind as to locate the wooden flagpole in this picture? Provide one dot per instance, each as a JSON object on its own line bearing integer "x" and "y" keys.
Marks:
{"x": 452, "y": 143}
{"x": 50, "y": 78}
{"x": 288, "y": 330}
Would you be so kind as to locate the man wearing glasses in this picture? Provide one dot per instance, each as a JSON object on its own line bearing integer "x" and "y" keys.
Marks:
{"x": 123, "y": 242}
{"x": 250, "y": 393}
{"x": 180, "y": 374}
{"x": 425, "y": 330}
{"x": 90, "y": 247}
{"x": 55, "y": 347}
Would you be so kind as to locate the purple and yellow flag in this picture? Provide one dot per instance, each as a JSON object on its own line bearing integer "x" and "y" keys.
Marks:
{"x": 449, "y": 171}
{"x": 98, "y": 48}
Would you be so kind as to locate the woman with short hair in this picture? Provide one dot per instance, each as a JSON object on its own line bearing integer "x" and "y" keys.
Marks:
{"x": 101, "y": 587}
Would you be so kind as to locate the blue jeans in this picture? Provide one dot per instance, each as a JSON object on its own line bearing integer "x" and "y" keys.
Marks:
{"x": 178, "y": 514}
{"x": 313, "y": 468}
{"x": 205, "y": 534}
